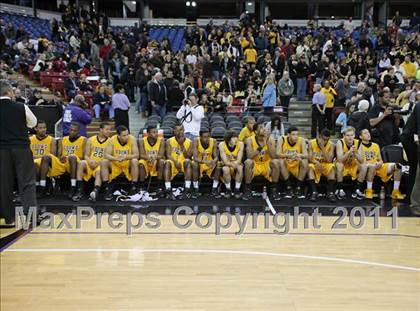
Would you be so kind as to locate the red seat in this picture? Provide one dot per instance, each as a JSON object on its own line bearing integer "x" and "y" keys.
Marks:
{"x": 58, "y": 85}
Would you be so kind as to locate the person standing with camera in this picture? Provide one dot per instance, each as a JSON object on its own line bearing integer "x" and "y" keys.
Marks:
{"x": 384, "y": 121}
{"x": 16, "y": 159}
{"x": 190, "y": 115}
{"x": 75, "y": 111}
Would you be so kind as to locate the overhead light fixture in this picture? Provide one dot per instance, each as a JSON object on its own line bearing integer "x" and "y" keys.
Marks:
{"x": 188, "y": 3}
{"x": 133, "y": 2}
{"x": 249, "y": 3}
{"x": 194, "y": 3}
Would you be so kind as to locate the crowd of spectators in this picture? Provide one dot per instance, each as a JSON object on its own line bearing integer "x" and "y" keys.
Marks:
{"x": 256, "y": 67}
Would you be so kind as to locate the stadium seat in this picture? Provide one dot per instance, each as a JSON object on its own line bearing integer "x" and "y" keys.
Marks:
{"x": 218, "y": 132}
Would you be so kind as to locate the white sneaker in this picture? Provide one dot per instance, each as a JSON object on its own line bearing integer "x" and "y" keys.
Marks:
{"x": 340, "y": 194}
{"x": 358, "y": 195}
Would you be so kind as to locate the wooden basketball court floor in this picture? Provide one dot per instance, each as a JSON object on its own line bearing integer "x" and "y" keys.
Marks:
{"x": 194, "y": 269}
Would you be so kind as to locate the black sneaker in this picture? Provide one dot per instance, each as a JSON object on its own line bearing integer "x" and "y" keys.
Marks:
{"x": 78, "y": 195}
{"x": 237, "y": 194}
{"x": 186, "y": 194}
{"x": 215, "y": 193}
{"x": 247, "y": 193}
{"x": 169, "y": 194}
{"x": 108, "y": 194}
{"x": 133, "y": 190}
{"x": 289, "y": 193}
{"x": 300, "y": 194}
{"x": 41, "y": 192}
{"x": 195, "y": 193}
{"x": 72, "y": 193}
{"x": 93, "y": 196}
{"x": 314, "y": 197}
{"x": 228, "y": 194}
{"x": 331, "y": 197}
{"x": 276, "y": 195}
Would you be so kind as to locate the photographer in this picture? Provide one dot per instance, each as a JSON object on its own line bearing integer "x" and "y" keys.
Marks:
{"x": 190, "y": 115}
{"x": 76, "y": 112}
{"x": 384, "y": 121}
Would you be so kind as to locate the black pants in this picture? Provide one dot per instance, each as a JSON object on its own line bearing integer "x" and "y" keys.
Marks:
{"x": 318, "y": 121}
{"x": 121, "y": 118}
{"x": 329, "y": 118}
{"x": 284, "y": 101}
{"x": 16, "y": 164}
{"x": 411, "y": 149}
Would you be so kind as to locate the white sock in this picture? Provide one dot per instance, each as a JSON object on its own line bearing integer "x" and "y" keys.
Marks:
{"x": 237, "y": 185}
{"x": 396, "y": 184}
{"x": 227, "y": 186}
{"x": 37, "y": 183}
{"x": 215, "y": 183}
{"x": 43, "y": 183}
{"x": 195, "y": 183}
{"x": 188, "y": 184}
{"x": 73, "y": 182}
{"x": 168, "y": 185}
{"x": 369, "y": 184}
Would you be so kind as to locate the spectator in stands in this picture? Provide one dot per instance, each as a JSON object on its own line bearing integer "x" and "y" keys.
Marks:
{"x": 397, "y": 19}
{"x": 190, "y": 115}
{"x": 175, "y": 96}
{"x": 318, "y": 111}
{"x": 285, "y": 89}
{"x": 409, "y": 68}
{"x": 37, "y": 99}
{"x": 269, "y": 95}
{"x": 158, "y": 95}
{"x": 302, "y": 71}
{"x": 115, "y": 68}
{"x": 102, "y": 102}
{"x": 70, "y": 84}
{"x": 329, "y": 93}
{"x": 342, "y": 118}
{"x": 120, "y": 105}
{"x": 19, "y": 98}
{"x": 76, "y": 111}
{"x": 275, "y": 127}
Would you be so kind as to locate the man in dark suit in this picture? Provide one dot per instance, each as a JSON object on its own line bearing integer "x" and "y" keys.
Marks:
{"x": 70, "y": 84}
{"x": 158, "y": 95}
{"x": 16, "y": 159}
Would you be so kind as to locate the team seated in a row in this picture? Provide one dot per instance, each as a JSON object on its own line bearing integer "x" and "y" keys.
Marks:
{"x": 104, "y": 158}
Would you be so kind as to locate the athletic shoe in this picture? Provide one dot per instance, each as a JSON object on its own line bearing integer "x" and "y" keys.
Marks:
{"x": 93, "y": 196}
{"x": 289, "y": 193}
{"x": 215, "y": 193}
{"x": 186, "y": 194}
{"x": 195, "y": 193}
{"x": 78, "y": 195}
{"x": 358, "y": 195}
{"x": 341, "y": 195}
{"x": 331, "y": 197}
{"x": 237, "y": 194}
{"x": 314, "y": 197}
{"x": 369, "y": 194}
{"x": 247, "y": 193}
{"x": 300, "y": 194}
{"x": 133, "y": 190}
{"x": 228, "y": 194}
{"x": 41, "y": 192}
{"x": 169, "y": 194}
{"x": 108, "y": 194}
{"x": 276, "y": 195}
{"x": 72, "y": 193}
{"x": 397, "y": 195}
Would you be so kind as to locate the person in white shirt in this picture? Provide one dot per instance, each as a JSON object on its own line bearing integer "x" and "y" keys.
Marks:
{"x": 384, "y": 63}
{"x": 191, "y": 59}
{"x": 348, "y": 25}
{"x": 399, "y": 71}
{"x": 190, "y": 115}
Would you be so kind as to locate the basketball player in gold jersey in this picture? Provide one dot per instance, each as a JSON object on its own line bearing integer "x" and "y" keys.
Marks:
{"x": 321, "y": 156}
{"x": 231, "y": 153}
{"x": 371, "y": 154}
{"x": 293, "y": 153}
{"x": 91, "y": 165}
{"x": 178, "y": 155}
{"x": 121, "y": 157}
{"x": 152, "y": 154}
{"x": 41, "y": 145}
{"x": 261, "y": 154}
{"x": 349, "y": 163}
{"x": 205, "y": 156}
{"x": 70, "y": 152}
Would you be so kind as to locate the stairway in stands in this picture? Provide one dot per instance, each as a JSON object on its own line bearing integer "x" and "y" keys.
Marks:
{"x": 300, "y": 116}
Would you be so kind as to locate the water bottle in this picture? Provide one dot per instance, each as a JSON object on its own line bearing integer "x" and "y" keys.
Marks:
{"x": 382, "y": 196}
{"x": 264, "y": 194}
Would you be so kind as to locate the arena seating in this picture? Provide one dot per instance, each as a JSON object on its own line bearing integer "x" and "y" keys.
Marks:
{"x": 35, "y": 27}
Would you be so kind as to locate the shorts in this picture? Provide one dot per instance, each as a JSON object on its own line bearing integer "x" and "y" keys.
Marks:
{"x": 91, "y": 172}
{"x": 325, "y": 171}
{"x": 350, "y": 170}
{"x": 118, "y": 168}
{"x": 174, "y": 170}
{"x": 262, "y": 169}
{"x": 206, "y": 170}
{"x": 149, "y": 168}
{"x": 292, "y": 167}
{"x": 382, "y": 172}
{"x": 58, "y": 168}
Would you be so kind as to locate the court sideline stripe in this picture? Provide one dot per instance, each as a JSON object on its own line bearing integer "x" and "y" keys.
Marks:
{"x": 230, "y": 233}
{"x": 209, "y": 251}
